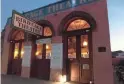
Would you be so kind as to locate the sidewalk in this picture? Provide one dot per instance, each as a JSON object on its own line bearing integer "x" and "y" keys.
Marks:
{"x": 10, "y": 79}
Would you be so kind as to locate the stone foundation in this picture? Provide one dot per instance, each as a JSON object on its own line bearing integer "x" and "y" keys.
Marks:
{"x": 25, "y": 72}
{"x": 55, "y": 74}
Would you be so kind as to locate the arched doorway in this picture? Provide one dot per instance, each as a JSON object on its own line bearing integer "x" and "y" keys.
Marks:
{"x": 16, "y": 52}
{"x": 77, "y": 47}
{"x": 40, "y": 66}
{"x": 78, "y": 51}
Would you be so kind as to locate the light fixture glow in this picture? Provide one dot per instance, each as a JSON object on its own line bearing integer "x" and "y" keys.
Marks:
{"x": 37, "y": 53}
{"x": 22, "y": 52}
{"x": 47, "y": 47}
{"x": 62, "y": 78}
{"x": 91, "y": 82}
{"x": 85, "y": 43}
{"x": 15, "y": 53}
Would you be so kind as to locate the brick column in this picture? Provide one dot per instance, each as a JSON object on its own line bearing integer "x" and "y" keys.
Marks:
{"x": 26, "y": 61}
{"x": 5, "y": 57}
{"x": 56, "y": 58}
{"x": 6, "y": 51}
{"x": 102, "y": 58}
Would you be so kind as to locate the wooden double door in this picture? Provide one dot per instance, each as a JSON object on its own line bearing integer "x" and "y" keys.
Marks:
{"x": 79, "y": 59}
{"x": 41, "y": 69}
{"x": 40, "y": 66}
{"x": 15, "y": 60}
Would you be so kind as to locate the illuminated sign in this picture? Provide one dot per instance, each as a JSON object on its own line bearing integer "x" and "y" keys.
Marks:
{"x": 40, "y": 13}
{"x": 19, "y": 21}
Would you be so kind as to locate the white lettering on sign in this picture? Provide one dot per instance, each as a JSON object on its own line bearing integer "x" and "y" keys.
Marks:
{"x": 27, "y": 25}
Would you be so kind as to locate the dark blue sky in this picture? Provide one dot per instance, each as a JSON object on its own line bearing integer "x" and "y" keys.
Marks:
{"x": 115, "y": 11}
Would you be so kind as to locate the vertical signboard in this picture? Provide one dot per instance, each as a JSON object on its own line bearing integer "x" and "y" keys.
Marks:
{"x": 27, "y": 56}
{"x": 57, "y": 56}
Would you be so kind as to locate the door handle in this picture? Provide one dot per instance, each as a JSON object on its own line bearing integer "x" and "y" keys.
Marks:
{"x": 81, "y": 69}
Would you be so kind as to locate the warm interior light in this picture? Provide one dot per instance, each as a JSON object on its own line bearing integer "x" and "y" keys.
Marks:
{"x": 78, "y": 24}
{"x": 15, "y": 54}
{"x": 22, "y": 52}
{"x": 62, "y": 78}
{"x": 37, "y": 53}
{"x": 85, "y": 43}
{"x": 47, "y": 47}
{"x": 83, "y": 53}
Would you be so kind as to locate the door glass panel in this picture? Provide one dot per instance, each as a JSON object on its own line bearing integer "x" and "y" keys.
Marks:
{"x": 16, "y": 51}
{"x": 22, "y": 50}
{"x": 48, "y": 51}
{"x": 39, "y": 51}
{"x": 72, "y": 47}
{"x": 84, "y": 46}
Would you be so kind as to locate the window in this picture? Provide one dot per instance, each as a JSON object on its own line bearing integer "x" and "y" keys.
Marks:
{"x": 16, "y": 51}
{"x": 19, "y": 36}
{"x": 78, "y": 24}
{"x": 72, "y": 47}
{"x": 48, "y": 51}
{"x": 39, "y": 51}
{"x": 22, "y": 50}
{"x": 47, "y": 31}
{"x": 84, "y": 46}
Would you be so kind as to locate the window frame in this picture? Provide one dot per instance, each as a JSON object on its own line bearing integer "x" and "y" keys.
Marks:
{"x": 44, "y": 51}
